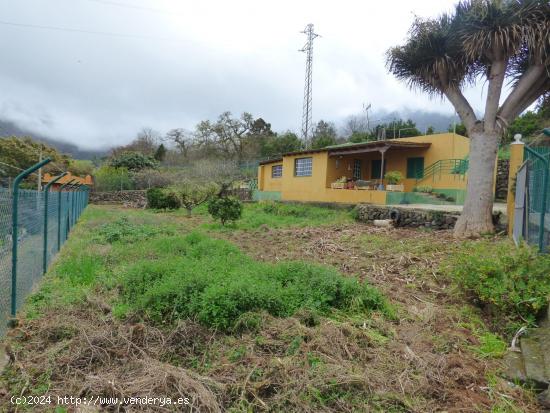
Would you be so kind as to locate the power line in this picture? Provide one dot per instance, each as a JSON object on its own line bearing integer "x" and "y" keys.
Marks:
{"x": 60, "y": 169}
{"x": 73, "y": 30}
{"x": 134, "y": 7}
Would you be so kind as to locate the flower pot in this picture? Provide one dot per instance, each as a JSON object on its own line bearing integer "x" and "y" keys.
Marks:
{"x": 395, "y": 188}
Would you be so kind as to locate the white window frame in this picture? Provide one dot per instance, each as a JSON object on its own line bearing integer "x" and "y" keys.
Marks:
{"x": 303, "y": 167}
{"x": 278, "y": 168}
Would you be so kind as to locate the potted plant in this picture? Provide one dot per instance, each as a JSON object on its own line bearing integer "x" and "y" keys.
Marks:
{"x": 340, "y": 183}
{"x": 393, "y": 178}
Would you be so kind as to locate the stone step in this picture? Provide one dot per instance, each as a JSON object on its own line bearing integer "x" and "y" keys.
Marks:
{"x": 535, "y": 348}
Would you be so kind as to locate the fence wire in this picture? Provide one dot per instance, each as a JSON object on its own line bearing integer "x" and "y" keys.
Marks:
{"x": 537, "y": 196}
{"x": 40, "y": 232}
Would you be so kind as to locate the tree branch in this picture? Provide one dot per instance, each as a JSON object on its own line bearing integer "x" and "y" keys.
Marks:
{"x": 542, "y": 86}
{"x": 462, "y": 106}
{"x": 496, "y": 80}
{"x": 523, "y": 88}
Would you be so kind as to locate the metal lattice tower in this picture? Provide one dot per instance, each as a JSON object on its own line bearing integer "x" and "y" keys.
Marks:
{"x": 307, "y": 108}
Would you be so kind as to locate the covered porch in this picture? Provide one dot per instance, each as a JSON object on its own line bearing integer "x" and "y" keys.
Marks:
{"x": 361, "y": 167}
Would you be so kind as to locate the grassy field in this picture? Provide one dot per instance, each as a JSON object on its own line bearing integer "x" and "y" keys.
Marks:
{"x": 292, "y": 309}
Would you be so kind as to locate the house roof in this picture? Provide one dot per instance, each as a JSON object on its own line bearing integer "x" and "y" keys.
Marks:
{"x": 270, "y": 161}
{"x": 363, "y": 147}
{"x": 77, "y": 180}
{"x": 375, "y": 146}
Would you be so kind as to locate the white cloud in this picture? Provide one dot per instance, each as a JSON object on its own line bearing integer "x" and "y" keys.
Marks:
{"x": 195, "y": 60}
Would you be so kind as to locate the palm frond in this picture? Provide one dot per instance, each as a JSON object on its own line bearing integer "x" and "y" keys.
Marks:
{"x": 432, "y": 59}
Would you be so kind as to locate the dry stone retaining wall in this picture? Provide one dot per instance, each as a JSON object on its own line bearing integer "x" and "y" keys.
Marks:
{"x": 135, "y": 199}
{"x": 415, "y": 218}
{"x": 501, "y": 187}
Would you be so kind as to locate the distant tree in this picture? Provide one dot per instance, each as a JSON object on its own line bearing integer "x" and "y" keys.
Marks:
{"x": 498, "y": 42}
{"x": 276, "y": 145}
{"x": 430, "y": 130}
{"x": 227, "y": 136}
{"x": 356, "y": 125}
{"x": 182, "y": 139}
{"x": 160, "y": 153}
{"x": 323, "y": 135}
{"x": 358, "y": 137}
{"x": 81, "y": 167}
{"x": 146, "y": 143}
{"x": 133, "y": 161}
{"x": 22, "y": 153}
{"x": 459, "y": 128}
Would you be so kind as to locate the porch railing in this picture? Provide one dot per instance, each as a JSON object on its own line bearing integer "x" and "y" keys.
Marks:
{"x": 457, "y": 167}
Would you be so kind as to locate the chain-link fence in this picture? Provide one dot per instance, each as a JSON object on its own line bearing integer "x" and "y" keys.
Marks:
{"x": 537, "y": 219}
{"x": 33, "y": 226}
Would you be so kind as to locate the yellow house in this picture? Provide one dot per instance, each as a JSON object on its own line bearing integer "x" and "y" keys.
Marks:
{"x": 351, "y": 173}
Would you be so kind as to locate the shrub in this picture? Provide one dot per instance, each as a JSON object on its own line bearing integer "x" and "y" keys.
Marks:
{"x": 192, "y": 195}
{"x": 125, "y": 231}
{"x": 158, "y": 198}
{"x": 514, "y": 283}
{"x": 152, "y": 178}
{"x": 133, "y": 161}
{"x": 108, "y": 178}
{"x": 424, "y": 189}
{"x": 225, "y": 209}
{"x": 214, "y": 282}
{"x": 393, "y": 177}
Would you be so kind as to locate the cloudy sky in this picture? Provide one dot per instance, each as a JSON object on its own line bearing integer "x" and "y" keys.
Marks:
{"x": 120, "y": 65}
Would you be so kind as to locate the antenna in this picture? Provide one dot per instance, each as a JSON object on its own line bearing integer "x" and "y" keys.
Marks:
{"x": 307, "y": 107}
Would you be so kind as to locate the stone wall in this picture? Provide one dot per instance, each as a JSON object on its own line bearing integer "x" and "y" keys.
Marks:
{"x": 501, "y": 187}
{"x": 134, "y": 199}
{"x": 415, "y": 218}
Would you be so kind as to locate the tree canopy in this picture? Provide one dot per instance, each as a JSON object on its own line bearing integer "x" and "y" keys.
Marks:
{"x": 500, "y": 41}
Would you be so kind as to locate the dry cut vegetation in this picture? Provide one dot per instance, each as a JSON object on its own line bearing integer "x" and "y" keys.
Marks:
{"x": 284, "y": 311}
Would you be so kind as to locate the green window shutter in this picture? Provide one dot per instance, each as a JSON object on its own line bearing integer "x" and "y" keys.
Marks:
{"x": 415, "y": 168}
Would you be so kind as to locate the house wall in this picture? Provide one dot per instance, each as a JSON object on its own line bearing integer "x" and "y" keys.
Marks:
{"x": 265, "y": 181}
{"x": 443, "y": 146}
{"x": 325, "y": 171}
{"x": 305, "y": 188}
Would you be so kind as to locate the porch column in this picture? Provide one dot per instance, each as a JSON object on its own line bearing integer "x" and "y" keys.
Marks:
{"x": 382, "y": 152}
{"x": 516, "y": 160}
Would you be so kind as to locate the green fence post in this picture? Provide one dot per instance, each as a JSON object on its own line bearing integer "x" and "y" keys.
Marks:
{"x": 546, "y": 163}
{"x": 74, "y": 204}
{"x": 59, "y": 194}
{"x": 46, "y": 201}
{"x": 15, "y": 229}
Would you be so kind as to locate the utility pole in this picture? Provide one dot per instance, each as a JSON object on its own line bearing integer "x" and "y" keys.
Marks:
{"x": 307, "y": 106}
{"x": 366, "y": 109}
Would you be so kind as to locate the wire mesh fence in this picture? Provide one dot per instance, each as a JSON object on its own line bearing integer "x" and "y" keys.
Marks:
{"x": 538, "y": 197}
{"x": 33, "y": 226}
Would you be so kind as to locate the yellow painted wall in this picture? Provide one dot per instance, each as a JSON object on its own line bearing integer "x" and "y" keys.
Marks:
{"x": 325, "y": 171}
{"x": 265, "y": 181}
{"x": 443, "y": 146}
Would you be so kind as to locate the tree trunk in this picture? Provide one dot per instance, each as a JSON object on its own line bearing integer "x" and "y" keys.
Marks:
{"x": 477, "y": 214}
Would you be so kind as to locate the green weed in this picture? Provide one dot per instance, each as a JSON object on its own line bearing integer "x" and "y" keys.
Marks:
{"x": 511, "y": 282}
{"x": 213, "y": 281}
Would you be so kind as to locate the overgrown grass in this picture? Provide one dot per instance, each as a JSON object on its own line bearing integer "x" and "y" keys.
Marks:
{"x": 160, "y": 273}
{"x": 195, "y": 276}
{"x": 513, "y": 284}
{"x": 278, "y": 215}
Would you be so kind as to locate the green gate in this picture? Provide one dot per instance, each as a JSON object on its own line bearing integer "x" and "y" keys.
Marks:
{"x": 537, "y": 225}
